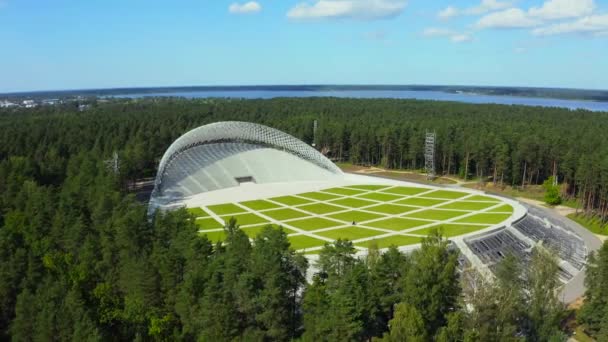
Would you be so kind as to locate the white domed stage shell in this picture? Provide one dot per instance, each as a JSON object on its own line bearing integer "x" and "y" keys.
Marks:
{"x": 226, "y": 154}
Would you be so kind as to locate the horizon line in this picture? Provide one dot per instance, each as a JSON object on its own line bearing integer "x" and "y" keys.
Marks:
{"x": 293, "y": 85}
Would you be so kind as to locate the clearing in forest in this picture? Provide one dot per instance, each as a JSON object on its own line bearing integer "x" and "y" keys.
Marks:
{"x": 379, "y": 215}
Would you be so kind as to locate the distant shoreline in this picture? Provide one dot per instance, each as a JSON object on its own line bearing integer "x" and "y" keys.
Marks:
{"x": 529, "y": 92}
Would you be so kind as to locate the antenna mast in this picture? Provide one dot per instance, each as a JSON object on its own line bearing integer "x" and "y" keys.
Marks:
{"x": 314, "y": 133}
{"x": 429, "y": 155}
{"x": 114, "y": 163}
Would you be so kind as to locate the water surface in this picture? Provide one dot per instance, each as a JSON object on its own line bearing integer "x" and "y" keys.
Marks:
{"x": 394, "y": 94}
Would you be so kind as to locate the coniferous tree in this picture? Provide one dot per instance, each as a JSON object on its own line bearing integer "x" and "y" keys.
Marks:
{"x": 594, "y": 313}
{"x": 431, "y": 285}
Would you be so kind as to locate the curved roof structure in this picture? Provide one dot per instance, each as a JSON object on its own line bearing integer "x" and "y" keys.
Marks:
{"x": 221, "y": 154}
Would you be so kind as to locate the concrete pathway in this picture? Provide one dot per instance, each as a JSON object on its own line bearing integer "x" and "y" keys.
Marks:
{"x": 384, "y": 233}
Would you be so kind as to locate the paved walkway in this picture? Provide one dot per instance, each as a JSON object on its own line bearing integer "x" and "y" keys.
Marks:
{"x": 384, "y": 233}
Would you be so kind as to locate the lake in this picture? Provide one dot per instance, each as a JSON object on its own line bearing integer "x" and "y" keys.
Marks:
{"x": 395, "y": 94}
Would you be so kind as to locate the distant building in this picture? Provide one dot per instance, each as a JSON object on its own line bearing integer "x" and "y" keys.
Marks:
{"x": 7, "y": 104}
{"x": 50, "y": 102}
{"x": 29, "y": 103}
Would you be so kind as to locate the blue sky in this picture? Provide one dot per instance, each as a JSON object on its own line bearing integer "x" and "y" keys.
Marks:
{"x": 73, "y": 44}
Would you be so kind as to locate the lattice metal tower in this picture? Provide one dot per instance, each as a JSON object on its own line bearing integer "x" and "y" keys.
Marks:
{"x": 114, "y": 163}
{"x": 429, "y": 155}
{"x": 314, "y": 133}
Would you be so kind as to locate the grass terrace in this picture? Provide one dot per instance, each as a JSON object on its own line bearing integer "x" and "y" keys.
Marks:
{"x": 396, "y": 240}
{"x": 226, "y": 209}
{"x": 381, "y": 215}
{"x": 449, "y": 230}
{"x": 290, "y": 200}
{"x": 353, "y": 202}
{"x": 260, "y": 205}
{"x": 354, "y": 233}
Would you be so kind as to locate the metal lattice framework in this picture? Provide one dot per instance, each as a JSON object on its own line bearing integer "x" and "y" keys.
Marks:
{"x": 236, "y": 132}
{"x": 429, "y": 154}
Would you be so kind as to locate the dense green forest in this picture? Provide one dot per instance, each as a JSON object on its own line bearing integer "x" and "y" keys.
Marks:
{"x": 514, "y": 145}
{"x": 80, "y": 261}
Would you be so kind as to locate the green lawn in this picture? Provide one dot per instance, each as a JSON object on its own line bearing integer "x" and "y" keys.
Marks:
{"x": 284, "y": 214}
{"x": 404, "y": 190}
{"x": 337, "y": 210}
{"x": 226, "y": 209}
{"x": 421, "y": 202}
{"x": 377, "y": 196}
{"x": 581, "y": 335}
{"x": 319, "y": 196}
{"x": 502, "y": 209}
{"x": 350, "y": 233}
{"x": 355, "y": 215}
{"x": 314, "y": 223}
{"x": 433, "y": 214}
{"x": 396, "y": 240}
{"x": 368, "y": 187}
{"x": 593, "y": 224}
{"x": 535, "y": 192}
{"x": 303, "y": 241}
{"x": 253, "y": 231}
{"x": 197, "y": 212}
{"x": 214, "y": 236}
{"x": 320, "y": 208}
{"x": 245, "y": 219}
{"x": 464, "y": 205}
{"x": 397, "y": 223}
{"x": 482, "y": 198}
{"x": 489, "y": 218}
{"x": 344, "y": 191}
{"x": 352, "y": 202}
{"x": 208, "y": 223}
{"x": 446, "y": 194}
{"x": 290, "y": 200}
{"x": 392, "y": 209}
{"x": 449, "y": 230}
{"x": 260, "y": 205}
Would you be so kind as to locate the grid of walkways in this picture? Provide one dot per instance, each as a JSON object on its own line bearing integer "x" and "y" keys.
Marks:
{"x": 380, "y": 214}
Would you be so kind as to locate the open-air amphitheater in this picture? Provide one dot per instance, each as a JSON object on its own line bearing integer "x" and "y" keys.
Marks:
{"x": 262, "y": 176}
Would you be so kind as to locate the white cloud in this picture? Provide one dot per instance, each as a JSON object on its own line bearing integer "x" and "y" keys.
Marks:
{"x": 436, "y": 32}
{"x": 461, "y": 38}
{"x": 354, "y": 9}
{"x": 448, "y": 12}
{"x": 510, "y": 18}
{"x": 560, "y": 9}
{"x": 488, "y": 6}
{"x": 484, "y": 7}
{"x": 455, "y": 37}
{"x": 545, "y": 19}
{"x": 248, "y": 7}
{"x": 593, "y": 24}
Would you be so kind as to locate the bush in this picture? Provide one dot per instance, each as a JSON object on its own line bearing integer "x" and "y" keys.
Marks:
{"x": 552, "y": 196}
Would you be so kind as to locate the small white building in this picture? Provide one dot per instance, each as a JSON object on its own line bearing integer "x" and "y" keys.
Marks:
{"x": 7, "y": 104}
{"x": 29, "y": 103}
